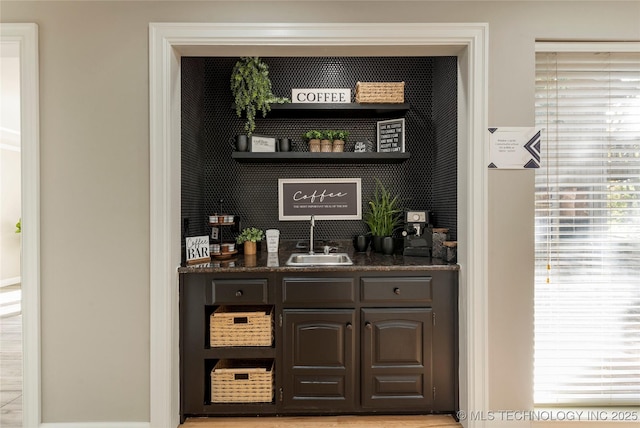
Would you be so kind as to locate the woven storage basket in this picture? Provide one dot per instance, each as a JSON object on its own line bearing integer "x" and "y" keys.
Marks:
{"x": 241, "y": 326}
{"x": 380, "y": 92}
{"x": 239, "y": 381}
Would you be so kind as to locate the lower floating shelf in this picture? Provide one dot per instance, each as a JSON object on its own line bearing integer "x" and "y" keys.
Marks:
{"x": 320, "y": 157}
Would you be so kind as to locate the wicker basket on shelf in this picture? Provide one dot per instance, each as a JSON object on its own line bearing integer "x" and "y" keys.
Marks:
{"x": 380, "y": 92}
{"x": 241, "y": 326}
{"x": 242, "y": 381}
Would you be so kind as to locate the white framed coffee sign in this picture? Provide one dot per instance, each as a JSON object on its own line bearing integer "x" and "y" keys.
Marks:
{"x": 324, "y": 198}
{"x": 321, "y": 96}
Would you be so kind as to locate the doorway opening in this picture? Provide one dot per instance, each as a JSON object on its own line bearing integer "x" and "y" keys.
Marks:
{"x": 170, "y": 42}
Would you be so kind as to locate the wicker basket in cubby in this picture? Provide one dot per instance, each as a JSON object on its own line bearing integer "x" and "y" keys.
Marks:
{"x": 241, "y": 326}
{"x": 380, "y": 92}
{"x": 242, "y": 381}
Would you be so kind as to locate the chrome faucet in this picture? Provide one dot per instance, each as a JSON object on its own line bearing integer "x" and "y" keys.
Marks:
{"x": 313, "y": 223}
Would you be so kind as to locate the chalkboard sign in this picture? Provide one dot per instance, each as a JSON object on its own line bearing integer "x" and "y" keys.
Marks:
{"x": 325, "y": 198}
{"x": 391, "y": 135}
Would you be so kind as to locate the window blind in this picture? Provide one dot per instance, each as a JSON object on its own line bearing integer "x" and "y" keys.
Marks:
{"x": 587, "y": 235}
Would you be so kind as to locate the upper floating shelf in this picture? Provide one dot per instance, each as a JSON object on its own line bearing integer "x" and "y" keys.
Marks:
{"x": 294, "y": 110}
{"x": 324, "y": 158}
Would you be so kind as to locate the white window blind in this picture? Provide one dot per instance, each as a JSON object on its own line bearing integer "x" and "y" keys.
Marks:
{"x": 587, "y": 281}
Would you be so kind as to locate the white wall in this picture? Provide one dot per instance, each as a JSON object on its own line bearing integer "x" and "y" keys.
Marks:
{"x": 9, "y": 163}
{"x": 95, "y": 185}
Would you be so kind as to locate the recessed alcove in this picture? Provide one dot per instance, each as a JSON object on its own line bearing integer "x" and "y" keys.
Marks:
{"x": 425, "y": 177}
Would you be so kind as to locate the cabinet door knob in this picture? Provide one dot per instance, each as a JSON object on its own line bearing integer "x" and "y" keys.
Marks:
{"x": 396, "y": 290}
{"x": 368, "y": 325}
{"x": 239, "y": 293}
{"x": 349, "y": 326}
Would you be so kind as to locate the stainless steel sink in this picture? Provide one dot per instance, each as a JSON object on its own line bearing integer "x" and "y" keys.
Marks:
{"x": 306, "y": 259}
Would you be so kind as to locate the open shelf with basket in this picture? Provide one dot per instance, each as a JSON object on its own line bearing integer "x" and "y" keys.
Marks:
{"x": 228, "y": 349}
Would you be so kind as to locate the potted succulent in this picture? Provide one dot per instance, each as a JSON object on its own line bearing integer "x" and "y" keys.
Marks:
{"x": 384, "y": 215}
{"x": 249, "y": 238}
{"x": 251, "y": 89}
{"x": 313, "y": 138}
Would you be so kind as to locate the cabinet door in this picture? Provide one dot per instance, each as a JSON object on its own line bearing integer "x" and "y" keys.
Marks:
{"x": 318, "y": 359}
{"x": 396, "y": 358}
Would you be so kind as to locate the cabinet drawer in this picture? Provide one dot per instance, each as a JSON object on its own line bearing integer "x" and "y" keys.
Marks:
{"x": 238, "y": 291}
{"x": 396, "y": 289}
{"x": 318, "y": 290}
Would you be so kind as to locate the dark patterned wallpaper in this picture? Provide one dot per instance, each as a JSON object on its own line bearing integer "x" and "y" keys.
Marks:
{"x": 426, "y": 181}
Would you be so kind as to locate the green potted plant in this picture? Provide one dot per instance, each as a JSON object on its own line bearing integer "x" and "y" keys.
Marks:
{"x": 339, "y": 138}
{"x": 313, "y": 138}
{"x": 251, "y": 89}
{"x": 384, "y": 215}
{"x": 249, "y": 238}
{"x": 326, "y": 141}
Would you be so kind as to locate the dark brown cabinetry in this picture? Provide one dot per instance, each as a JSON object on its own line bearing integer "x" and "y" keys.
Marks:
{"x": 318, "y": 359}
{"x": 396, "y": 358}
{"x": 344, "y": 342}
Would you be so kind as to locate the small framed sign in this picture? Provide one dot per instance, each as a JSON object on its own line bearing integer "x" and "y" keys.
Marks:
{"x": 391, "y": 135}
{"x": 321, "y": 95}
{"x": 261, "y": 143}
{"x": 197, "y": 249}
{"x": 325, "y": 198}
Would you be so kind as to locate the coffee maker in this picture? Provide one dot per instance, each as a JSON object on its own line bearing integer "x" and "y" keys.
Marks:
{"x": 418, "y": 234}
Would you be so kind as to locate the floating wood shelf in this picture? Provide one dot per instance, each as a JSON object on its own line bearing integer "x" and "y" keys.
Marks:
{"x": 295, "y": 110}
{"x": 320, "y": 157}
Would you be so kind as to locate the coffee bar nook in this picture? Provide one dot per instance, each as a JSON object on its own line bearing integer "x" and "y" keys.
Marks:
{"x": 319, "y": 227}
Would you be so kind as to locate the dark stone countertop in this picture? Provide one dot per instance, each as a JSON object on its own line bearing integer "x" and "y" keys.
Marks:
{"x": 276, "y": 262}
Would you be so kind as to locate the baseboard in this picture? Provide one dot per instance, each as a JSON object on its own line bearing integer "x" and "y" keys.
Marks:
{"x": 10, "y": 281}
{"x": 95, "y": 425}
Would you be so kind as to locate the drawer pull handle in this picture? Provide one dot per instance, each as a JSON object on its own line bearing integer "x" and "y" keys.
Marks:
{"x": 349, "y": 326}
{"x": 396, "y": 290}
{"x": 239, "y": 293}
{"x": 368, "y": 325}
{"x": 241, "y": 320}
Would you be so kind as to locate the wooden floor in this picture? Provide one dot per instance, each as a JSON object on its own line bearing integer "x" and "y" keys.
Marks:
{"x": 426, "y": 421}
{"x": 11, "y": 371}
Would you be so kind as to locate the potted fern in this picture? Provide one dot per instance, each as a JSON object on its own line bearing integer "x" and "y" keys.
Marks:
{"x": 384, "y": 215}
{"x": 251, "y": 89}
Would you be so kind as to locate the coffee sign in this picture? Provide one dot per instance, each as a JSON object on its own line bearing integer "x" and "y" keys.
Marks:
{"x": 321, "y": 96}
{"x": 325, "y": 198}
{"x": 197, "y": 249}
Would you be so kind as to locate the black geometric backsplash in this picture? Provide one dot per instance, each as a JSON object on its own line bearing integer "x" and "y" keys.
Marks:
{"x": 426, "y": 181}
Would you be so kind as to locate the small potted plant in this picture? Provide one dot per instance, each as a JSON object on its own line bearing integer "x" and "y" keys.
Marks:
{"x": 339, "y": 138}
{"x": 249, "y": 237}
{"x": 326, "y": 141}
{"x": 384, "y": 215}
{"x": 313, "y": 138}
{"x": 251, "y": 89}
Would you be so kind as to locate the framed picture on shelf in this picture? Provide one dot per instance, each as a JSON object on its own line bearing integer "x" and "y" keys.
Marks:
{"x": 262, "y": 143}
{"x": 391, "y": 136}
